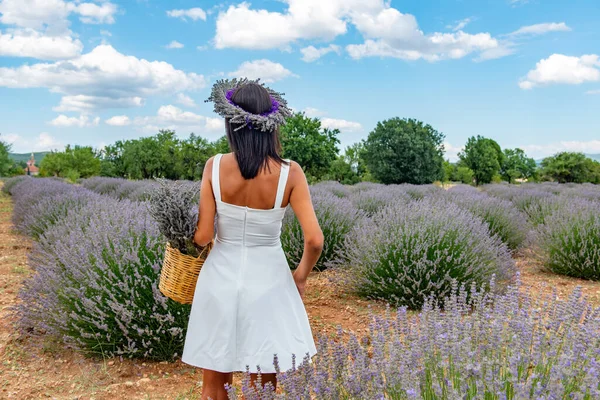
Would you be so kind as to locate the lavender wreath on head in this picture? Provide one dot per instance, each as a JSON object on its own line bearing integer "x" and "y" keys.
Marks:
{"x": 223, "y": 91}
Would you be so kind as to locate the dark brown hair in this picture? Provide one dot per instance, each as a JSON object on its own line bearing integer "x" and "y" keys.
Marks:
{"x": 253, "y": 148}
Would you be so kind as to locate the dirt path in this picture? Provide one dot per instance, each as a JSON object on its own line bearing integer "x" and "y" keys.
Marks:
{"x": 32, "y": 368}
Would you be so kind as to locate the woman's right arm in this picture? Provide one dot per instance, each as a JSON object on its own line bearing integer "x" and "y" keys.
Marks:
{"x": 313, "y": 236}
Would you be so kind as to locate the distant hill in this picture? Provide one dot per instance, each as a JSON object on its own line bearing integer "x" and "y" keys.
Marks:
{"x": 26, "y": 156}
{"x": 595, "y": 157}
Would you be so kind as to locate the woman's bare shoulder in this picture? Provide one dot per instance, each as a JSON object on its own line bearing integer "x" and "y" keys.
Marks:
{"x": 207, "y": 172}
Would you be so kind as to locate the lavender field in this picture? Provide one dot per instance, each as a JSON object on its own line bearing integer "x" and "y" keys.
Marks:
{"x": 458, "y": 325}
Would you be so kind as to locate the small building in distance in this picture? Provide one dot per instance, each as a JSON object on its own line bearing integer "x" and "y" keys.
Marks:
{"x": 31, "y": 169}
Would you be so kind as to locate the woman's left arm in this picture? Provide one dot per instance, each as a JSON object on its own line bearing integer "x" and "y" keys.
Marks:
{"x": 205, "y": 230}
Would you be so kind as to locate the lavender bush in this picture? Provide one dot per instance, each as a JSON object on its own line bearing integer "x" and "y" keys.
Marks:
{"x": 569, "y": 240}
{"x": 337, "y": 216}
{"x": 28, "y": 197}
{"x": 418, "y": 192}
{"x": 95, "y": 285}
{"x": 408, "y": 252}
{"x": 372, "y": 201}
{"x": 476, "y": 345}
{"x": 174, "y": 207}
{"x": 502, "y": 218}
{"x": 51, "y": 209}
{"x": 333, "y": 187}
{"x": 10, "y": 183}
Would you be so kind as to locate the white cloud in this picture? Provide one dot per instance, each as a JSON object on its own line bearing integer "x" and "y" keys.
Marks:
{"x": 515, "y": 3}
{"x": 387, "y": 32}
{"x": 36, "y": 14}
{"x": 105, "y": 33}
{"x": 43, "y": 142}
{"x": 332, "y": 123}
{"x": 313, "y": 112}
{"x": 86, "y": 104}
{"x": 171, "y": 117}
{"x": 267, "y": 71}
{"x": 186, "y": 100}
{"x": 311, "y": 53}
{"x": 174, "y": 45}
{"x": 559, "y": 68}
{"x": 597, "y": 91}
{"x": 545, "y": 150}
{"x": 82, "y": 122}
{"x": 460, "y": 24}
{"x": 90, "y": 13}
{"x": 451, "y": 151}
{"x": 540, "y": 29}
{"x": 193, "y": 13}
{"x": 341, "y": 124}
{"x": 52, "y": 15}
{"x": 505, "y": 48}
{"x": 118, "y": 120}
{"x": 102, "y": 78}
{"x": 31, "y": 43}
{"x": 43, "y": 26}
{"x": 241, "y": 27}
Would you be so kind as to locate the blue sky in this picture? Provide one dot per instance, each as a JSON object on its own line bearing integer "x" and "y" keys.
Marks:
{"x": 525, "y": 73}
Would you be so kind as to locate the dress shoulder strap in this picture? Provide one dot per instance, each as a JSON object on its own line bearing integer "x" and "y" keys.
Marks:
{"x": 216, "y": 185}
{"x": 283, "y": 175}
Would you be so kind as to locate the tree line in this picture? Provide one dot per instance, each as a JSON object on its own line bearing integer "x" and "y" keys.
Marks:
{"x": 395, "y": 151}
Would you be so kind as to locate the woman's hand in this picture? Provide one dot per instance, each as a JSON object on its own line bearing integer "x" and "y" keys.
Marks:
{"x": 300, "y": 284}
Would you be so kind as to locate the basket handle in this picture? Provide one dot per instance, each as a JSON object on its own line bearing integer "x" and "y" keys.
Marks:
{"x": 204, "y": 249}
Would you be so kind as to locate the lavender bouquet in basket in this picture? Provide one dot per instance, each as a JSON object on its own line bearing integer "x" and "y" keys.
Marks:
{"x": 174, "y": 206}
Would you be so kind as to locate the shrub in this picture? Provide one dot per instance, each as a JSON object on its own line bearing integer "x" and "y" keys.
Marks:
{"x": 333, "y": 187}
{"x": 501, "y": 216}
{"x": 10, "y": 183}
{"x": 408, "y": 252}
{"x": 569, "y": 240}
{"x": 143, "y": 191}
{"x": 538, "y": 211}
{"x": 52, "y": 209}
{"x": 481, "y": 346}
{"x": 418, "y": 192}
{"x": 95, "y": 284}
{"x": 127, "y": 188}
{"x": 29, "y": 194}
{"x": 336, "y": 217}
{"x": 372, "y": 201}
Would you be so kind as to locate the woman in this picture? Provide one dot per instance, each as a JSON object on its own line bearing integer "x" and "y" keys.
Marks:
{"x": 247, "y": 304}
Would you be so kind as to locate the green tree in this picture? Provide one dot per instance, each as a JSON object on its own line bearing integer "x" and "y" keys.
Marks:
{"x": 111, "y": 160}
{"x": 220, "y": 146}
{"x": 464, "y": 175}
{"x": 354, "y": 157}
{"x": 483, "y": 156}
{"x": 305, "y": 141}
{"x": 342, "y": 172}
{"x": 516, "y": 165}
{"x": 570, "y": 167}
{"x": 78, "y": 159}
{"x": 449, "y": 171}
{"x": 5, "y": 161}
{"x": 404, "y": 151}
{"x": 193, "y": 154}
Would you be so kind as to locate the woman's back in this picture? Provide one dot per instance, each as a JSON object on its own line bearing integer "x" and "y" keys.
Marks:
{"x": 257, "y": 193}
{"x": 249, "y": 223}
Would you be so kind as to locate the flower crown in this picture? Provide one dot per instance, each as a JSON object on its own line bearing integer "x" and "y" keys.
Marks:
{"x": 224, "y": 89}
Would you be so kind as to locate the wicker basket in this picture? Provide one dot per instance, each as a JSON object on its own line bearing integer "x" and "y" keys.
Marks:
{"x": 180, "y": 273}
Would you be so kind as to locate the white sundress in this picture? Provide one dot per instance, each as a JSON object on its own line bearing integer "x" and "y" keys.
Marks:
{"x": 246, "y": 306}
